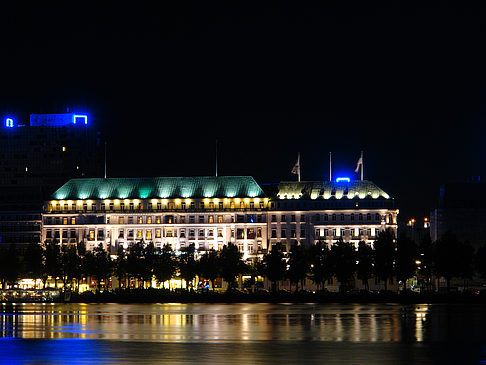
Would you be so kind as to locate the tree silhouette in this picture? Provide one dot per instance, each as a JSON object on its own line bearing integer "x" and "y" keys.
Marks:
{"x": 34, "y": 261}
{"x": 187, "y": 264}
{"x": 298, "y": 265}
{"x": 52, "y": 259}
{"x": 480, "y": 261}
{"x": 209, "y": 266}
{"x": 445, "y": 257}
{"x": 230, "y": 263}
{"x": 364, "y": 269}
{"x": 465, "y": 262}
{"x": 320, "y": 264}
{"x": 274, "y": 265}
{"x": 120, "y": 266}
{"x": 384, "y": 256}
{"x": 343, "y": 261}
{"x": 165, "y": 266}
{"x": 405, "y": 257}
{"x": 426, "y": 256}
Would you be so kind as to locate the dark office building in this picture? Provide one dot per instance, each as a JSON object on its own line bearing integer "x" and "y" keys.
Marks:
{"x": 35, "y": 158}
{"x": 462, "y": 210}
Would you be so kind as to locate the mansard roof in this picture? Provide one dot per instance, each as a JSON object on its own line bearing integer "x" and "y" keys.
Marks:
{"x": 159, "y": 187}
{"x": 354, "y": 189}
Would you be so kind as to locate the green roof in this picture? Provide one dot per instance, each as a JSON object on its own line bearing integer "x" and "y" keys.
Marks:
{"x": 355, "y": 189}
{"x": 159, "y": 187}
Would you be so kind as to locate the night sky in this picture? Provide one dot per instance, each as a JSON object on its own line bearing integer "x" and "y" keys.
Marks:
{"x": 404, "y": 82}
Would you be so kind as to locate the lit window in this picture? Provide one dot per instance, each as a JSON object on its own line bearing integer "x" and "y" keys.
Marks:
{"x": 210, "y": 219}
{"x": 149, "y": 234}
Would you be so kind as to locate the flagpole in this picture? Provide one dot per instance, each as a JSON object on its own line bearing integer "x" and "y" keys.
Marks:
{"x": 330, "y": 166}
{"x": 362, "y": 164}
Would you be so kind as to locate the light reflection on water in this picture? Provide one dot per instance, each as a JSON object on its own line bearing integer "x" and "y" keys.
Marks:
{"x": 236, "y": 333}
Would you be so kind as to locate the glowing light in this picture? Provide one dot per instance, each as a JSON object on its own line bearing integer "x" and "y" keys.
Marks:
{"x": 81, "y": 117}
{"x": 343, "y": 179}
{"x": 9, "y": 122}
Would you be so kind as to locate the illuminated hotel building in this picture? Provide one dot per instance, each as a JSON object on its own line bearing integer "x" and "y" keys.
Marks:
{"x": 329, "y": 211}
{"x": 208, "y": 212}
{"x": 211, "y": 211}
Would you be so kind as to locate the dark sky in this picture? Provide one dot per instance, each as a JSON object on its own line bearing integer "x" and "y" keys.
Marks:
{"x": 405, "y": 82}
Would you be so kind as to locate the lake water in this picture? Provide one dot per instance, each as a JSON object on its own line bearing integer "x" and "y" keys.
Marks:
{"x": 242, "y": 334}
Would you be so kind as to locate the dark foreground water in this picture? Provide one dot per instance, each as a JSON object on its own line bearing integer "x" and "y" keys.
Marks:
{"x": 242, "y": 334}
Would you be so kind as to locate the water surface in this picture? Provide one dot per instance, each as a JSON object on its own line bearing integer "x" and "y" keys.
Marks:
{"x": 242, "y": 334}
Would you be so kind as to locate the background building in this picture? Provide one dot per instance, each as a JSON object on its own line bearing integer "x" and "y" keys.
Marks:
{"x": 36, "y": 157}
{"x": 462, "y": 210}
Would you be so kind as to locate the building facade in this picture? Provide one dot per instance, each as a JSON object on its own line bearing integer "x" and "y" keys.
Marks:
{"x": 208, "y": 212}
{"x": 36, "y": 157}
{"x": 461, "y": 210}
{"x": 211, "y": 211}
{"x": 307, "y": 212}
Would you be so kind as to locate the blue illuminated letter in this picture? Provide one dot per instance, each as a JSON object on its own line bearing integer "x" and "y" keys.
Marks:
{"x": 341, "y": 179}
{"x": 82, "y": 117}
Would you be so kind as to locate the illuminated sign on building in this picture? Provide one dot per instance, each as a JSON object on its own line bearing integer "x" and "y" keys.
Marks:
{"x": 343, "y": 179}
{"x": 57, "y": 120}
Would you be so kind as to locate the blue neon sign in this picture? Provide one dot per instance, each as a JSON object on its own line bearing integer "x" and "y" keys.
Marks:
{"x": 81, "y": 117}
{"x": 342, "y": 179}
{"x": 9, "y": 122}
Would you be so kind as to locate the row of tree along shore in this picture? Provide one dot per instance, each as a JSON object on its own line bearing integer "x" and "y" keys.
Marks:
{"x": 402, "y": 259}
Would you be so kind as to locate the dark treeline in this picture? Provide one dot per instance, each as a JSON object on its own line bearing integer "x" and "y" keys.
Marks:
{"x": 401, "y": 258}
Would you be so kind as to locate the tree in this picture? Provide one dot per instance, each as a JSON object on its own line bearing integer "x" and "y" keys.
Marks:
{"x": 120, "y": 265}
{"x": 70, "y": 265}
{"x": 34, "y": 261}
{"x": 209, "y": 266}
{"x": 52, "y": 259}
{"x": 320, "y": 265}
{"x": 364, "y": 268}
{"x": 445, "y": 257}
{"x": 426, "y": 257}
{"x": 187, "y": 264}
{"x": 230, "y": 263}
{"x": 165, "y": 266}
{"x": 480, "y": 261}
{"x": 149, "y": 261}
{"x": 405, "y": 257}
{"x": 274, "y": 265}
{"x": 465, "y": 262}
{"x": 343, "y": 261}
{"x": 98, "y": 265}
{"x": 9, "y": 265}
{"x": 384, "y": 256}
{"x": 135, "y": 261}
{"x": 298, "y": 265}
